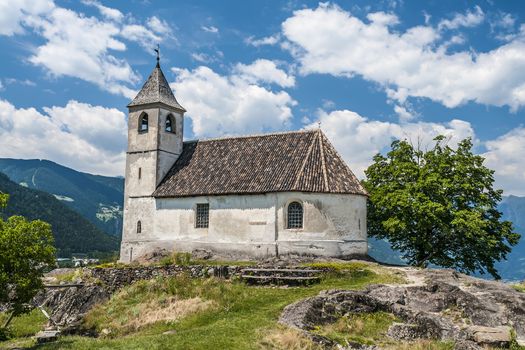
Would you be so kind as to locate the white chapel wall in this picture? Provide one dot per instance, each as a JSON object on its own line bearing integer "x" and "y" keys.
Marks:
{"x": 255, "y": 225}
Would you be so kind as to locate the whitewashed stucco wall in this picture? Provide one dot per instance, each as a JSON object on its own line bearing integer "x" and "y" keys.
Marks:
{"x": 251, "y": 225}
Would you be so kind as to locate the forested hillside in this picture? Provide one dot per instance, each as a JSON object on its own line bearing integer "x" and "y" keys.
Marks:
{"x": 73, "y": 233}
{"x": 97, "y": 198}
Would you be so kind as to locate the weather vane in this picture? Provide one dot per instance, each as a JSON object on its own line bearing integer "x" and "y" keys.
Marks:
{"x": 157, "y": 50}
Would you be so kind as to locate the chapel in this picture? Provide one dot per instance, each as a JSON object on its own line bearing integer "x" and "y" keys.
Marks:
{"x": 254, "y": 196}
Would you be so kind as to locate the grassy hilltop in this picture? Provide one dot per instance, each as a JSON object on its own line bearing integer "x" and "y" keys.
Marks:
{"x": 189, "y": 313}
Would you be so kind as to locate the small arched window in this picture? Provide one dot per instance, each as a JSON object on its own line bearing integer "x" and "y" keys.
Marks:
{"x": 139, "y": 227}
{"x": 295, "y": 215}
{"x": 170, "y": 124}
{"x": 143, "y": 122}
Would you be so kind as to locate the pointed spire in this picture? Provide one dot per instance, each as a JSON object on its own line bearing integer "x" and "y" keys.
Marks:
{"x": 157, "y": 50}
{"x": 156, "y": 89}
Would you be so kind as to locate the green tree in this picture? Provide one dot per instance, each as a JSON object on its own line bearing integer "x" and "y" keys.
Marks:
{"x": 3, "y": 200}
{"x": 26, "y": 252}
{"x": 438, "y": 207}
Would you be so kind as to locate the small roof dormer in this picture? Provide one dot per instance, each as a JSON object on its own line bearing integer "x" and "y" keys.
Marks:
{"x": 156, "y": 90}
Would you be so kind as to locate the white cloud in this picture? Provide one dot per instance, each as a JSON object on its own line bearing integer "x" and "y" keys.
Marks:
{"x": 503, "y": 20}
{"x": 383, "y": 19}
{"x": 107, "y": 12}
{"x": 330, "y": 40}
{"x": 469, "y": 19}
{"x": 25, "y": 82}
{"x": 358, "y": 139}
{"x": 210, "y": 29}
{"x": 140, "y": 34}
{"x": 266, "y": 71}
{"x": 505, "y": 155}
{"x": 159, "y": 26}
{"x": 202, "y": 57}
{"x": 269, "y": 40}
{"x": 207, "y": 58}
{"x": 403, "y": 113}
{"x": 222, "y": 105}
{"x": 80, "y": 47}
{"x": 15, "y": 13}
{"x": 84, "y": 137}
{"x": 328, "y": 104}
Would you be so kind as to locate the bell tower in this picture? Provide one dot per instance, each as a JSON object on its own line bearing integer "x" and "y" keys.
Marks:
{"x": 155, "y": 135}
{"x": 155, "y": 140}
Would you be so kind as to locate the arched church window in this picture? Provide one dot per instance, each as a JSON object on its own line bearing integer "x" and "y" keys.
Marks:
{"x": 139, "y": 227}
{"x": 170, "y": 124}
{"x": 295, "y": 215}
{"x": 143, "y": 122}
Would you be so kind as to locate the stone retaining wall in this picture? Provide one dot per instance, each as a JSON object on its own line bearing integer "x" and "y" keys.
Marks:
{"x": 116, "y": 278}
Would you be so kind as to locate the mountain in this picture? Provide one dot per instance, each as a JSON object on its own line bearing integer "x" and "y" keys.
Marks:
{"x": 513, "y": 209}
{"x": 97, "y": 198}
{"x": 512, "y": 269}
{"x": 72, "y": 232}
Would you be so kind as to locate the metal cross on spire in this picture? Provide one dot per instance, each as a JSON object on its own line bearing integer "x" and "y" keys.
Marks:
{"x": 157, "y": 50}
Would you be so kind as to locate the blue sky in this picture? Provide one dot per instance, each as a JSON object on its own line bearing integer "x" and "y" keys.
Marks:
{"x": 369, "y": 71}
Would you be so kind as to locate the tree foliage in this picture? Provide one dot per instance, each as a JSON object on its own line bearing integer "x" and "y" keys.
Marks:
{"x": 3, "y": 200}
{"x": 438, "y": 207}
{"x": 26, "y": 252}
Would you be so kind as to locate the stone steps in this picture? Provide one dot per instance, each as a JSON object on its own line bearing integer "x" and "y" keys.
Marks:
{"x": 280, "y": 276}
{"x": 65, "y": 285}
{"x": 47, "y": 336}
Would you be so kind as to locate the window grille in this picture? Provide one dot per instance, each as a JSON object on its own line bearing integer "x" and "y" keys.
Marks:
{"x": 203, "y": 215}
{"x": 295, "y": 215}
{"x": 143, "y": 125}
{"x": 139, "y": 227}
{"x": 170, "y": 124}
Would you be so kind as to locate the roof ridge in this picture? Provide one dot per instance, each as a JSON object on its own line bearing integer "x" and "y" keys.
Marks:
{"x": 159, "y": 71}
{"x": 300, "y": 172}
{"x": 305, "y": 131}
{"x": 345, "y": 164}
{"x": 323, "y": 161}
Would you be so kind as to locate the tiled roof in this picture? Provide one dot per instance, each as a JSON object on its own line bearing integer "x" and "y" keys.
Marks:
{"x": 302, "y": 161}
{"x": 156, "y": 89}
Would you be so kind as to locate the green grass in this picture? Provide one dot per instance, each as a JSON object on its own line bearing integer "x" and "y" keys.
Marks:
{"x": 366, "y": 329}
{"x": 339, "y": 266}
{"x": 520, "y": 287}
{"x": 240, "y": 317}
{"x": 371, "y": 329}
{"x": 25, "y": 325}
{"x": 185, "y": 259}
{"x": 22, "y": 328}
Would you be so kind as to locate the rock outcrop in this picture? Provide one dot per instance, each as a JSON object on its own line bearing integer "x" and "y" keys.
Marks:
{"x": 446, "y": 305}
{"x": 69, "y": 305}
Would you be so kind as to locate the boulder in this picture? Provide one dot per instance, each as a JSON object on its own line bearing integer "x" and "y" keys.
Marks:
{"x": 405, "y": 331}
{"x": 491, "y": 336}
{"x": 447, "y": 306}
{"x": 68, "y": 305}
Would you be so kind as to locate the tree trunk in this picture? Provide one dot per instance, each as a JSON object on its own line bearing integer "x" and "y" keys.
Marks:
{"x": 9, "y": 320}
